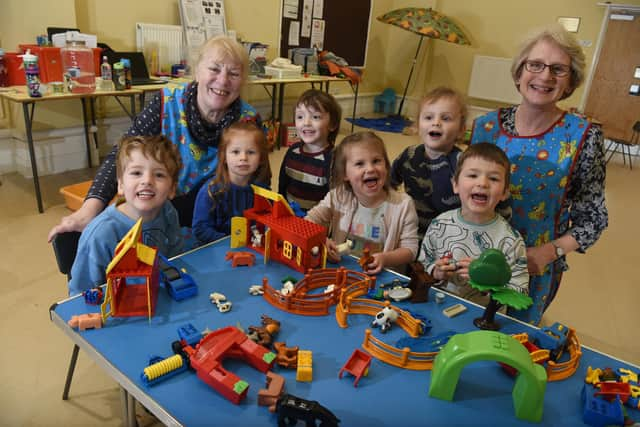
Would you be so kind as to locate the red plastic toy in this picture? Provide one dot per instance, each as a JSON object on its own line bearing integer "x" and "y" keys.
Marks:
{"x": 240, "y": 258}
{"x": 288, "y": 239}
{"x": 357, "y": 365}
{"x": 209, "y": 354}
{"x": 132, "y": 278}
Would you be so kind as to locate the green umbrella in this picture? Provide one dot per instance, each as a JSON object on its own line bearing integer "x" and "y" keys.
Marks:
{"x": 425, "y": 23}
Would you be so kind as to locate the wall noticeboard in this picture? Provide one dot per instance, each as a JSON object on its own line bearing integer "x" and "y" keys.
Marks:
{"x": 345, "y": 25}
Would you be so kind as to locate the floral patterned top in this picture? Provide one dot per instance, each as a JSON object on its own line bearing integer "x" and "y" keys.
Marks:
{"x": 585, "y": 196}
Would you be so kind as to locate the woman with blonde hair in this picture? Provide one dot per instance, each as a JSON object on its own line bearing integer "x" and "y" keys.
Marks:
{"x": 193, "y": 116}
{"x": 558, "y": 167}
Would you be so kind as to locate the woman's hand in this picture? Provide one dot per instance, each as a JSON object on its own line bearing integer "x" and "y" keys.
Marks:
{"x": 78, "y": 220}
{"x": 538, "y": 257}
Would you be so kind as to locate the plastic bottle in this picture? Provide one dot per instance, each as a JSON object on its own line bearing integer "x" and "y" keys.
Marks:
{"x": 105, "y": 69}
{"x": 4, "y": 75}
{"x": 32, "y": 73}
{"x": 77, "y": 63}
{"x": 126, "y": 64}
{"x": 119, "y": 76}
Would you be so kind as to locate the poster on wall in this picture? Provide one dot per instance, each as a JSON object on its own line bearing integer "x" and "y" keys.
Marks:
{"x": 290, "y": 9}
{"x": 317, "y": 34}
{"x": 202, "y": 20}
{"x": 306, "y": 18}
{"x": 294, "y": 30}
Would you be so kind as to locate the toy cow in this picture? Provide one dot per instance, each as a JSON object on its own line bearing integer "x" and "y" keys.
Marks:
{"x": 385, "y": 318}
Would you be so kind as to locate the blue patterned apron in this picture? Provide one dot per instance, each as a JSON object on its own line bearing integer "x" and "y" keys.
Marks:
{"x": 199, "y": 163}
{"x": 540, "y": 169}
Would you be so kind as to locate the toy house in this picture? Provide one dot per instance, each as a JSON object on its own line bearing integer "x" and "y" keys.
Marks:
{"x": 132, "y": 278}
{"x": 270, "y": 227}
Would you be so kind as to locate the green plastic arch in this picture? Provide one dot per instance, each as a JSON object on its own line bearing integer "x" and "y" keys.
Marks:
{"x": 462, "y": 349}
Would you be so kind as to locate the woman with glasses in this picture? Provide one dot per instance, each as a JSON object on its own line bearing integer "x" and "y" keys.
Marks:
{"x": 558, "y": 169}
{"x": 193, "y": 116}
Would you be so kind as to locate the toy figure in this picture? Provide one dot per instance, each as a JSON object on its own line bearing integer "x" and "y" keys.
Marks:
{"x": 291, "y": 408}
{"x": 385, "y": 318}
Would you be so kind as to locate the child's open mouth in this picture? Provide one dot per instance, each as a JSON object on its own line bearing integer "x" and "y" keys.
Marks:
{"x": 477, "y": 197}
{"x": 435, "y": 134}
{"x": 145, "y": 194}
{"x": 370, "y": 182}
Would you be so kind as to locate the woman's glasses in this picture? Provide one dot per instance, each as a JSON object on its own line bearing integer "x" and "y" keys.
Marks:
{"x": 558, "y": 70}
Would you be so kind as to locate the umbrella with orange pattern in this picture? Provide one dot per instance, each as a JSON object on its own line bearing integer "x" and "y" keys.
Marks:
{"x": 425, "y": 23}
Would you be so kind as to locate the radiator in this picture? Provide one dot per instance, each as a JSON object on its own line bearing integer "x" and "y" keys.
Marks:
{"x": 164, "y": 40}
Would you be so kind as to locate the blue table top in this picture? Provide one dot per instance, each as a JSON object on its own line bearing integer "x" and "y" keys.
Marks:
{"x": 387, "y": 396}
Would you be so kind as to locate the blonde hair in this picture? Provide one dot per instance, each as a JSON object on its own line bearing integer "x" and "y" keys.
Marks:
{"x": 339, "y": 161}
{"x": 156, "y": 147}
{"x": 227, "y": 48}
{"x": 557, "y": 35}
{"x": 443, "y": 92}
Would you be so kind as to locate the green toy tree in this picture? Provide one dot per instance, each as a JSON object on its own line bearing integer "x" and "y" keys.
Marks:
{"x": 490, "y": 273}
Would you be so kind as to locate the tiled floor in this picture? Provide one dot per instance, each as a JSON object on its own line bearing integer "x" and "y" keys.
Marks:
{"x": 599, "y": 298}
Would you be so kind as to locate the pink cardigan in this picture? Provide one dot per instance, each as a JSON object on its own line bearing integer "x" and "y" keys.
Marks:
{"x": 336, "y": 212}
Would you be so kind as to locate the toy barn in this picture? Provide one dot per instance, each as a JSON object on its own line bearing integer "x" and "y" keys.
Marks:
{"x": 271, "y": 228}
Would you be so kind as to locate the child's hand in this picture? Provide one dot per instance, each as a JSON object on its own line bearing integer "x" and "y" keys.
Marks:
{"x": 444, "y": 269}
{"x": 462, "y": 270}
{"x": 332, "y": 251}
{"x": 375, "y": 266}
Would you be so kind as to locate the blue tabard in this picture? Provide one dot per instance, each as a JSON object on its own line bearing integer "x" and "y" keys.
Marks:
{"x": 540, "y": 169}
{"x": 199, "y": 163}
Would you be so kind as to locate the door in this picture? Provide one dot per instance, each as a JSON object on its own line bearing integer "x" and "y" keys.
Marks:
{"x": 609, "y": 101}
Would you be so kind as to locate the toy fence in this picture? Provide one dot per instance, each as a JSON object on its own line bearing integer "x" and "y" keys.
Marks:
{"x": 300, "y": 301}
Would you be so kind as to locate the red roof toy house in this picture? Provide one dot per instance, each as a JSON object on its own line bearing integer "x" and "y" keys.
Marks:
{"x": 272, "y": 229}
{"x": 132, "y": 278}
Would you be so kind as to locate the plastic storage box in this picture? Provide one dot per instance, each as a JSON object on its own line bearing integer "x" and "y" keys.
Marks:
{"x": 283, "y": 73}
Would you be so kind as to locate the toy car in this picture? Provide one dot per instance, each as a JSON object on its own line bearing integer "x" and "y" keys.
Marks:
{"x": 179, "y": 284}
{"x": 552, "y": 338}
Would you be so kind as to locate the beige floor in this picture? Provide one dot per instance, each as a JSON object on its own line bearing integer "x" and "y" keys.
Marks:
{"x": 599, "y": 297}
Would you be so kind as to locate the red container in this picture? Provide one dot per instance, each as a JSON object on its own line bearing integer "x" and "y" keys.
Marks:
{"x": 15, "y": 70}
{"x": 50, "y": 62}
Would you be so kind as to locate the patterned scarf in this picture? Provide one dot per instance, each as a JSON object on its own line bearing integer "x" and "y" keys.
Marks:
{"x": 207, "y": 134}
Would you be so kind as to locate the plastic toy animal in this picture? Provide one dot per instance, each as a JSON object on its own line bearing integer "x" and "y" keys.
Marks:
{"x": 385, "y": 318}
{"x": 287, "y": 357}
{"x": 291, "y": 408}
{"x": 220, "y": 301}
{"x": 264, "y": 334}
{"x": 86, "y": 321}
{"x": 240, "y": 258}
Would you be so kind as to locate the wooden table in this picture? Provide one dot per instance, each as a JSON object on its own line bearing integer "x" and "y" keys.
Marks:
{"x": 20, "y": 95}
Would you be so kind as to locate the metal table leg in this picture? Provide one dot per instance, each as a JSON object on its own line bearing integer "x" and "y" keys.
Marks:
{"x": 87, "y": 138}
{"x": 28, "y": 123}
{"x": 355, "y": 103}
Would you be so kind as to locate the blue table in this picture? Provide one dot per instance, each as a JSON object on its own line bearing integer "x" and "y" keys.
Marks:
{"x": 387, "y": 396}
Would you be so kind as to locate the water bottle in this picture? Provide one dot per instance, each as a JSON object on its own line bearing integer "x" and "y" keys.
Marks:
{"x": 32, "y": 73}
{"x": 4, "y": 75}
{"x": 77, "y": 63}
{"x": 105, "y": 69}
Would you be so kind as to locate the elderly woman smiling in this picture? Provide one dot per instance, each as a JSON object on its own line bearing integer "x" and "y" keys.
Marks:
{"x": 558, "y": 168}
{"x": 193, "y": 117}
